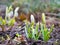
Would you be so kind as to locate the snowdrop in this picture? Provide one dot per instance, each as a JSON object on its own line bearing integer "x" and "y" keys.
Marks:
{"x": 9, "y": 13}
{"x": 43, "y": 18}
{"x": 32, "y": 18}
{"x": 16, "y": 12}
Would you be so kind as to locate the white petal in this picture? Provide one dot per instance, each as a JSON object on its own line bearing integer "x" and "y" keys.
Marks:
{"x": 16, "y": 12}
{"x": 17, "y": 8}
{"x": 32, "y": 18}
{"x": 10, "y": 14}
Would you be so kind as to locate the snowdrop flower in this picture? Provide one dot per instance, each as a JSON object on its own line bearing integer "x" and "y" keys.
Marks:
{"x": 32, "y": 18}
{"x": 16, "y": 12}
{"x": 10, "y": 14}
{"x": 43, "y": 18}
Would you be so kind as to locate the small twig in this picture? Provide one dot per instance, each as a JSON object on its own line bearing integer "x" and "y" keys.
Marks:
{"x": 10, "y": 27}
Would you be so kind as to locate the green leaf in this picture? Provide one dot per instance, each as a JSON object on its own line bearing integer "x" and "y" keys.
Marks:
{"x": 11, "y": 22}
{"x": 3, "y": 22}
{"x": 37, "y": 34}
{"x": 10, "y": 8}
{"x": 0, "y": 20}
{"x": 17, "y": 34}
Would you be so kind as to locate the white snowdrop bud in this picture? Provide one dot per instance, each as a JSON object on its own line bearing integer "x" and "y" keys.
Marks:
{"x": 32, "y": 18}
{"x": 10, "y": 14}
{"x": 17, "y": 8}
{"x": 16, "y": 12}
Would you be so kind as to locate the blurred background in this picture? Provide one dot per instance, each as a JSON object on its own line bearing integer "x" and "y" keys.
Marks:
{"x": 38, "y": 5}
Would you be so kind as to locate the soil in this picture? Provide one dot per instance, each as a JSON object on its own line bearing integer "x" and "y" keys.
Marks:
{"x": 8, "y": 36}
